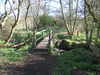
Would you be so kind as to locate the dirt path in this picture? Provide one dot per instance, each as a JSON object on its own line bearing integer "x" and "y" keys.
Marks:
{"x": 40, "y": 65}
{"x": 35, "y": 64}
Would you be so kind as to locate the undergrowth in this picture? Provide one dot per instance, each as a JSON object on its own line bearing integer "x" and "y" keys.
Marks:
{"x": 79, "y": 58}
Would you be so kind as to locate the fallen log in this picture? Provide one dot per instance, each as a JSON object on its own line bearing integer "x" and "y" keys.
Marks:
{"x": 4, "y": 45}
{"x": 16, "y": 45}
{"x": 19, "y": 44}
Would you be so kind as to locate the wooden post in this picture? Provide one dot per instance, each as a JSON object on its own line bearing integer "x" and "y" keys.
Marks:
{"x": 42, "y": 34}
{"x": 34, "y": 39}
{"x": 49, "y": 41}
{"x": 49, "y": 38}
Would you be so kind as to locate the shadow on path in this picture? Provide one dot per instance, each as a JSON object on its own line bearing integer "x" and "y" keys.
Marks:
{"x": 34, "y": 65}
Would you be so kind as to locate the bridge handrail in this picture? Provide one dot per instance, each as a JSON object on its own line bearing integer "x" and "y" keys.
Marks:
{"x": 44, "y": 34}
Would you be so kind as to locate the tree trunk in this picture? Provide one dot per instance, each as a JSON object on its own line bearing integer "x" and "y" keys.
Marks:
{"x": 62, "y": 12}
{"x": 16, "y": 20}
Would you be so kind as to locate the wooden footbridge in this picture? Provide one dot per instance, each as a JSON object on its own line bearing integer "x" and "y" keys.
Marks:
{"x": 43, "y": 46}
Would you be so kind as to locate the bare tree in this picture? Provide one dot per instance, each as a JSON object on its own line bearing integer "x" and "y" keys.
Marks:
{"x": 35, "y": 16}
{"x": 76, "y": 15}
{"x": 89, "y": 26}
{"x": 90, "y": 10}
{"x": 16, "y": 20}
{"x": 70, "y": 20}
{"x": 27, "y": 10}
{"x": 62, "y": 12}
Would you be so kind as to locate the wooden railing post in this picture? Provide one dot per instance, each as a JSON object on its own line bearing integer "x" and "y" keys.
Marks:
{"x": 50, "y": 38}
{"x": 34, "y": 39}
{"x": 42, "y": 34}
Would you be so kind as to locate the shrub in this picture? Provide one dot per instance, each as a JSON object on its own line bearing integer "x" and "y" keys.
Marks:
{"x": 46, "y": 20}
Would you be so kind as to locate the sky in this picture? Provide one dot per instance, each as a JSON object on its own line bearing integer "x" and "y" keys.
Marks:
{"x": 53, "y": 8}
{"x": 1, "y": 6}
{"x": 2, "y": 10}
